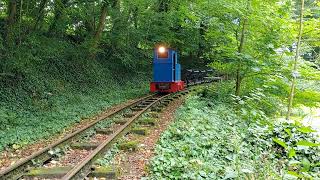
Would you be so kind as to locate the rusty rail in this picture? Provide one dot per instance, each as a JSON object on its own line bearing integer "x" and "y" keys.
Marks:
{"x": 83, "y": 169}
{"x": 17, "y": 170}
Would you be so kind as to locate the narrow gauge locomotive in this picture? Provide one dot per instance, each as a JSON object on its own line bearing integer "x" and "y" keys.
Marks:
{"x": 166, "y": 71}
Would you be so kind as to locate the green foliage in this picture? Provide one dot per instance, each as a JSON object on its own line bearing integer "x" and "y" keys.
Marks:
{"x": 261, "y": 105}
{"x": 308, "y": 98}
{"x": 283, "y": 144}
{"x": 210, "y": 141}
{"x": 298, "y": 147}
{"x": 57, "y": 86}
{"x": 52, "y": 77}
{"x": 254, "y": 104}
{"x": 268, "y": 22}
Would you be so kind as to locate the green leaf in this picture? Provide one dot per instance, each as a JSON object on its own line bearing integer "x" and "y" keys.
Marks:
{"x": 307, "y": 143}
{"x": 306, "y": 130}
{"x": 293, "y": 162}
{"x": 246, "y": 171}
{"x": 281, "y": 143}
{"x": 316, "y": 165}
{"x": 294, "y": 174}
{"x": 230, "y": 174}
{"x": 292, "y": 153}
{"x": 16, "y": 146}
{"x": 288, "y": 131}
{"x": 306, "y": 165}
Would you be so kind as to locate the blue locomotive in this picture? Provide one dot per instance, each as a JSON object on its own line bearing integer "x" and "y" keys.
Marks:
{"x": 166, "y": 71}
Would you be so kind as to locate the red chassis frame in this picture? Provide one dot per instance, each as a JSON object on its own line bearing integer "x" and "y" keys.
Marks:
{"x": 173, "y": 87}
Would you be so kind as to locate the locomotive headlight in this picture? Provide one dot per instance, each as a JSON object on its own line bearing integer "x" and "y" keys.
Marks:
{"x": 162, "y": 49}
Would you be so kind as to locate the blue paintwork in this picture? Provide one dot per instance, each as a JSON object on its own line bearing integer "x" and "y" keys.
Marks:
{"x": 163, "y": 68}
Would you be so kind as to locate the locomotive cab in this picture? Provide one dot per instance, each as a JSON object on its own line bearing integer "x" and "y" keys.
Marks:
{"x": 166, "y": 71}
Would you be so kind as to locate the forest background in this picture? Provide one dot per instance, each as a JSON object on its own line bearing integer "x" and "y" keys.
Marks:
{"x": 58, "y": 58}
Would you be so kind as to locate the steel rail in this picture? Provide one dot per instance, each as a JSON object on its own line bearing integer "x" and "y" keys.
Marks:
{"x": 83, "y": 169}
{"x": 18, "y": 169}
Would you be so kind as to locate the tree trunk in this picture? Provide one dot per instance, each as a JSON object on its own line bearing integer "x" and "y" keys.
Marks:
{"x": 240, "y": 50}
{"x": 295, "y": 68}
{"x": 12, "y": 16}
{"x": 100, "y": 28}
{"x": 39, "y": 19}
{"x": 238, "y": 83}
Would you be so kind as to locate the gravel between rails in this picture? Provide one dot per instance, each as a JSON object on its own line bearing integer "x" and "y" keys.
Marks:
{"x": 133, "y": 165}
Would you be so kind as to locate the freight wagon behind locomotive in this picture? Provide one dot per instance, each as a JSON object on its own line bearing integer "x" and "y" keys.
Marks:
{"x": 194, "y": 76}
{"x": 166, "y": 71}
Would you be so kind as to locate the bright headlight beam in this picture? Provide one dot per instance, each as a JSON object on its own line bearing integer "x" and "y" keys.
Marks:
{"x": 162, "y": 49}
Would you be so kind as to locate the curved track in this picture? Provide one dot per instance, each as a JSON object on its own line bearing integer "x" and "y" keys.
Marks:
{"x": 83, "y": 168}
{"x": 17, "y": 170}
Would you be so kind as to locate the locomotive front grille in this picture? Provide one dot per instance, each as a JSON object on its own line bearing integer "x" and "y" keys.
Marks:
{"x": 163, "y": 86}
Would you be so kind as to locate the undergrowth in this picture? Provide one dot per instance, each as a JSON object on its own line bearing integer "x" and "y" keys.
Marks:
{"x": 47, "y": 85}
{"x": 208, "y": 143}
{"x": 221, "y": 137}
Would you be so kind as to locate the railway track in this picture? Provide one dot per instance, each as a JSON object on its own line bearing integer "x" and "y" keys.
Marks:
{"x": 123, "y": 119}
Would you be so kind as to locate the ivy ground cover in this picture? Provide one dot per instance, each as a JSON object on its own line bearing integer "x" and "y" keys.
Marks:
{"x": 29, "y": 122}
{"x": 209, "y": 141}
